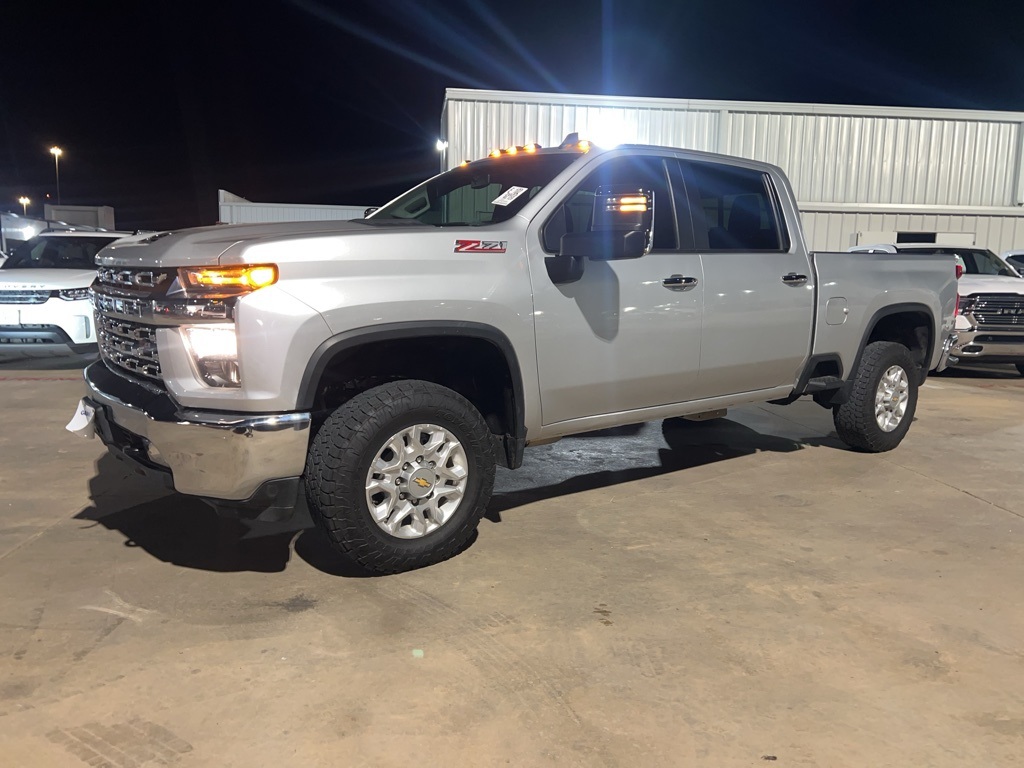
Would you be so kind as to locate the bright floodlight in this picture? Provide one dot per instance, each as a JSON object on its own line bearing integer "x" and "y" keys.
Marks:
{"x": 441, "y": 145}
{"x": 56, "y": 151}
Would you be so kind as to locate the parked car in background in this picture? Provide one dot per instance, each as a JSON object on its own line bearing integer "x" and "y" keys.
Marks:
{"x": 1015, "y": 259}
{"x": 990, "y": 321}
{"x": 44, "y": 290}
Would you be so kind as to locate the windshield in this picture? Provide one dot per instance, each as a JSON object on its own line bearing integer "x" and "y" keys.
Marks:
{"x": 485, "y": 192}
{"x": 57, "y": 253}
{"x": 975, "y": 261}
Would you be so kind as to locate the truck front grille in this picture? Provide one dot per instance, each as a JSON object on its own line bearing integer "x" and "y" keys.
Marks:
{"x": 24, "y": 297}
{"x": 132, "y": 304}
{"x": 999, "y": 309}
{"x": 129, "y": 345}
{"x": 123, "y": 300}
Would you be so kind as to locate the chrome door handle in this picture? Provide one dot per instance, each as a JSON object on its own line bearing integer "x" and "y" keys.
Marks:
{"x": 794, "y": 279}
{"x": 678, "y": 281}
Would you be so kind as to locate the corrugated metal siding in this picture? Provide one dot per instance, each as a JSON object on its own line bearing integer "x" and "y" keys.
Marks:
{"x": 264, "y": 213}
{"x": 831, "y": 154}
{"x": 475, "y": 128}
{"x": 832, "y": 231}
{"x": 842, "y": 158}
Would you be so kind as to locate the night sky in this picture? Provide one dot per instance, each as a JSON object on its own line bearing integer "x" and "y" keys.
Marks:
{"x": 158, "y": 104}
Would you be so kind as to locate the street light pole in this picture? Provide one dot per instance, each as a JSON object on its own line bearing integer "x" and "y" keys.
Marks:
{"x": 24, "y": 205}
{"x": 57, "y": 152}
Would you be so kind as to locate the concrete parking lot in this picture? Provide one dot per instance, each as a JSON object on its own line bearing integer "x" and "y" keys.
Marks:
{"x": 737, "y": 593}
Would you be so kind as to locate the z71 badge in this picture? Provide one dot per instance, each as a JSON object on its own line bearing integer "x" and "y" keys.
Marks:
{"x": 480, "y": 246}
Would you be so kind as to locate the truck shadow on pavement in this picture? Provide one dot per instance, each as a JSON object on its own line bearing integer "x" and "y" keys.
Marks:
{"x": 187, "y": 532}
{"x": 608, "y": 457}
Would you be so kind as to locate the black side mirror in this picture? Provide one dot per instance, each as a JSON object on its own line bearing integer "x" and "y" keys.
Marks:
{"x": 622, "y": 225}
{"x": 368, "y": 211}
{"x": 605, "y": 246}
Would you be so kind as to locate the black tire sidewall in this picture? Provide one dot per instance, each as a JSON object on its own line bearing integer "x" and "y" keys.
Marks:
{"x": 860, "y": 409}
{"x": 360, "y": 428}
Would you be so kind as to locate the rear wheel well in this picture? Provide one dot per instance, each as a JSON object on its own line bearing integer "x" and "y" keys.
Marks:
{"x": 474, "y": 367}
{"x": 912, "y": 329}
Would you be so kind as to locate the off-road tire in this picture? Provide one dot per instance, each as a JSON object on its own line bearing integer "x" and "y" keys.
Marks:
{"x": 344, "y": 447}
{"x": 855, "y": 420}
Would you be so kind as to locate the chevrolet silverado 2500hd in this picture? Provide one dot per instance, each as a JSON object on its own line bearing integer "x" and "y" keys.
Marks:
{"x": 385, "y": 366}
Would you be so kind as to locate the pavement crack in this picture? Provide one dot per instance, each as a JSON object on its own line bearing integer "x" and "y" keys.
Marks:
{"x": 964, "y": 491}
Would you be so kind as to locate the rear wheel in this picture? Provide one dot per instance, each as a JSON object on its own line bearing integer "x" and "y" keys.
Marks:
{"x": 882, "y": 401}
{"x": 400, "y": 475}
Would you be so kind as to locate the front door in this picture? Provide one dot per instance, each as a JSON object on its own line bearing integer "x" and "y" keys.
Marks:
{"x": 627, "y": 335}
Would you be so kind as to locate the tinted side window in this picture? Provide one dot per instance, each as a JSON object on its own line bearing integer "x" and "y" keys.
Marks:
{"x": 577, "y": 213}
{"x": 733, "y": 208}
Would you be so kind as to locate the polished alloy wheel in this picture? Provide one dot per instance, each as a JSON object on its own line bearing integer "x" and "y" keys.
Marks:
{"x": 891, "y": 398}
{"x": 416, "y": 481}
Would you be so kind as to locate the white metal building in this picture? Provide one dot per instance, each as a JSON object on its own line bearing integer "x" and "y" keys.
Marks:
{"x": 233, "y": 209}
{"x": 861, "y": 174}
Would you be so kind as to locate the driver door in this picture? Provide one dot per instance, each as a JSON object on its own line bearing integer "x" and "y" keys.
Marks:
{"x": 627, "y": 334}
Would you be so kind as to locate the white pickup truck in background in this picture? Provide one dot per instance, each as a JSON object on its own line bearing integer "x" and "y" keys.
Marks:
{"x": 990, "y": 321}
{"x": 385, "y": 366}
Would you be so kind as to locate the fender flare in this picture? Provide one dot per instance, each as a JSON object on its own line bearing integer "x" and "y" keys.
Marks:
{"x": 357, "y": 337}
{"x": 881, "y": 314}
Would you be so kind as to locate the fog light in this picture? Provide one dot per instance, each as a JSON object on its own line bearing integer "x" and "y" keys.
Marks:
{"x": 214, "y": 350}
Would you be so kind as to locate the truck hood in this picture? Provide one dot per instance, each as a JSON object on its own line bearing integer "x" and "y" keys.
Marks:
{"x": 45, "y": 279}
{"x": 221, "y": 244}
{"x": 971, "y": 284}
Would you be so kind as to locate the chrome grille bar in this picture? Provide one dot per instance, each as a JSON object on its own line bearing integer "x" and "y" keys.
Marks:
{"x": 24, "y": 297}
{"x": 991, "y": 310}
{"x": 129, "y": 345}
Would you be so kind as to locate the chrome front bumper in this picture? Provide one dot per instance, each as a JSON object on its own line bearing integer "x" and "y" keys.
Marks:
{"x": 213, "y": 454}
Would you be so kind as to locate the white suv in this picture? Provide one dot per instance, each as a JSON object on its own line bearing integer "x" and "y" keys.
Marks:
{"x": 44, "y": 290}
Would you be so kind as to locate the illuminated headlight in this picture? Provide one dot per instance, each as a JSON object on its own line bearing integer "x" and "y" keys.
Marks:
{"x": 73, "y": 294}
{"x": 214, "y": 350}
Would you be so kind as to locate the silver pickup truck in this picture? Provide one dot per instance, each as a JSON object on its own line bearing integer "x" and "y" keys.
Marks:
{"x": 385, "y": 366}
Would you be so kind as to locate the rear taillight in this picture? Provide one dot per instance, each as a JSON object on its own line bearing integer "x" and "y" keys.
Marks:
{"x": 959, "y": 271}
{"x": 956, "y": 307}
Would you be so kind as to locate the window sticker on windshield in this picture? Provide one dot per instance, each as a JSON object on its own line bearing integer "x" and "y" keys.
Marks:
{"x": 508, "y": 195}
{"x": 480, "y": 246}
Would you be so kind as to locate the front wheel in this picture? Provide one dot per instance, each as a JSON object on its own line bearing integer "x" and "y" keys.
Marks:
{"x": 882, "y": 401}
{"x": 400, "y": 475}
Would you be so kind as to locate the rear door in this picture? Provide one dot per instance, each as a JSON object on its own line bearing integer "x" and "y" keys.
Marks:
{"x": 758, "y": 285}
